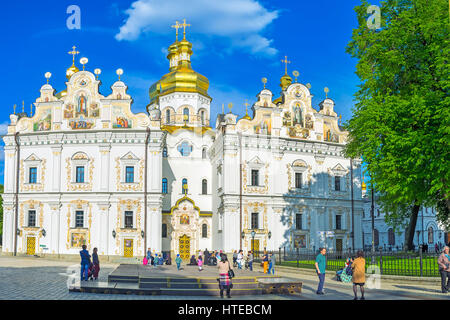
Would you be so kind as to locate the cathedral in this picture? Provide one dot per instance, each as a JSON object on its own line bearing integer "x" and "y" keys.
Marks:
{"x": 85, "y": 169}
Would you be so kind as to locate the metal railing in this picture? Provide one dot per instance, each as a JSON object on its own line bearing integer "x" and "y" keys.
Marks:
{"x": 400, "y": 263}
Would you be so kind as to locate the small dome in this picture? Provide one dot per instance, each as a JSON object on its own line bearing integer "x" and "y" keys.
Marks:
{"x": 46, "y": 87}
{"x": 71, "y": 71}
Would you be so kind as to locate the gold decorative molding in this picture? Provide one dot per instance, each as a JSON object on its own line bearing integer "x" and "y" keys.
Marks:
{"x": 79, "y": 204}
{"x": 73, "y": 186}
{"x": 25, "y": 187}
{"x": 122, "y": 186}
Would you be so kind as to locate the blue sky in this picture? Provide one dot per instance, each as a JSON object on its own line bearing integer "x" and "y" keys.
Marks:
{"x": 235, "y": 44}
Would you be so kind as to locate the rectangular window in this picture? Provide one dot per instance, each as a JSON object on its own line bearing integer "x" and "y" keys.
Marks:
{"x": 33, "y": 175}
{"x": 79, "y": 219}
{"x": 164, "y": 230}
{"x": 298, "y": 180}
{"x": 338, "y": 222}
{"x": 129, "y": 178}
{"x": 128, "y": 219}
{"x": 255, "y": 177}
{"x": 337, "y": 183}
{"x": 255, "y": 224}
{"x": 80, "y": 175}
{"x": 32, "y": 218}
{"x": 298, "y": 221}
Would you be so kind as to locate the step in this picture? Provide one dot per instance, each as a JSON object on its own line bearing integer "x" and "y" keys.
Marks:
{"x": 208, "y": 292}
{"x": 212, "y": 285}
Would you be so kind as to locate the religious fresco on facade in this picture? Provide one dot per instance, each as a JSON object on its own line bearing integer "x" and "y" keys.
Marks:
{"x": 297, "y": 115}
{"x": 45, "y": 121}
{"x": 78, "y": 240}
{"x": 68, "y": 111}
{"x": 300, "y": 241}
{"x": 120, "y": 120}
{"x": 81, "y": 123}
{"x": 264, "y": 126}
{"x": 94, "y": 111}
{"x": 184, "y": 219}
{"x": 81, "y": 108}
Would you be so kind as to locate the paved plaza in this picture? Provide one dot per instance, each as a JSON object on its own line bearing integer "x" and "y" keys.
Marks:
{"x": 32, "y": 278}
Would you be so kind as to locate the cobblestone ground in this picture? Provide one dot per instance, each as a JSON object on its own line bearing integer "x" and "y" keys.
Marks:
{"x": 29, "y": 278}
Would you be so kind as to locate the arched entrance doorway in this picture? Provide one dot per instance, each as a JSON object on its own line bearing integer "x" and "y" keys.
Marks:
{"x": 184, "y": 243}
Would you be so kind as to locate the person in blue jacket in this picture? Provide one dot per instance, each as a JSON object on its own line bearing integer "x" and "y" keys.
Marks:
{"x": 85, "y": 262}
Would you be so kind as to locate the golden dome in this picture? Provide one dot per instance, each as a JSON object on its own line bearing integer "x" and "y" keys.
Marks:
{"x": 285, "y": 82}
{"x": 181, "y": 78}
{"x": 72, "y": 69}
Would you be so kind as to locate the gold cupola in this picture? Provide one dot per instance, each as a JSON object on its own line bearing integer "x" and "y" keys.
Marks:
{"x": 181, "y": 76}
{"x": 70, "y": 71}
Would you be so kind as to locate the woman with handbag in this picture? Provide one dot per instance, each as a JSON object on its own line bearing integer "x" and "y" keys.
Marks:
{"x": 226, "y": 273}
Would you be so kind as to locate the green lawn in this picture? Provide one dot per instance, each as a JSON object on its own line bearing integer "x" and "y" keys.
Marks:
{"x": 391, "y": 265}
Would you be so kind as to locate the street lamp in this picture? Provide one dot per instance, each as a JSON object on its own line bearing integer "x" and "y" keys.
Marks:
{"x": 243, "y": 234}
{"x": 114, "y": 233}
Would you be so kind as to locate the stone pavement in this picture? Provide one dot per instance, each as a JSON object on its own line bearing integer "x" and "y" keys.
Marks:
{"x": 31, "y": 278}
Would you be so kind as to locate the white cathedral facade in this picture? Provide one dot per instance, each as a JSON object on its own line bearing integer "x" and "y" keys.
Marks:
{"x": 85, "y": 169}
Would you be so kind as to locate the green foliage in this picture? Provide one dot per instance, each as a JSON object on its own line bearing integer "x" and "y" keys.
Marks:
{"x": 401, "y": 119}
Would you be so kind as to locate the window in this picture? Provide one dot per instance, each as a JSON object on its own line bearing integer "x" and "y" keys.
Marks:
{"x": 167, "y": 116}
{"x": 186, "y": 114}
{"x": 202, "y": 117}
{"x": 128, "y": 219}
{"x": 337, "y": 183}
{"x": 255, "y": 176}
{"x": 164, "y": 230}
{"x": 430, "y": 235}
{"x": 79, "y": 219}
{"x": 33, "y": 175}
{"x": 165, "y": 152}
{"x": 338, "y": 222}
{"x": 255, "y": 218}
{"x": 164, "y": 185}
{"x": 298, "y": 180}
{"x": 129, "y": 177}
{"x": 204, "y": 186}
{"x": 376, "y": 237}
{"x": 204, "y": 153}
{"x": 185, "y": 149}
{"x": 184, "y": 186}
{"x": 32, "y": 218}
{"x": 79, "y": 175}
{"x": 204, "y": 230}
{"x": 391, "y": 237}
{"x": 298, "y": 221}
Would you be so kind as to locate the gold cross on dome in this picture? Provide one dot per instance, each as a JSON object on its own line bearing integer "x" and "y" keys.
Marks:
{"x": 177, "y": 26}
{"x": 73, "y": 53}
{"x": 184, "y": 25}
{"x": 285, "y": 61}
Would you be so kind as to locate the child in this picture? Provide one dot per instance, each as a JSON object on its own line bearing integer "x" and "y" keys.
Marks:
{"x": 200, "y": 263}
{"x": 145, "y": 261}
{"x": 178, "y": 261}
{"x": 155, "y": 260}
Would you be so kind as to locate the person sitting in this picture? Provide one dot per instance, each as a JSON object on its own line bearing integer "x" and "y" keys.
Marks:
{"x": 193, "y": 261}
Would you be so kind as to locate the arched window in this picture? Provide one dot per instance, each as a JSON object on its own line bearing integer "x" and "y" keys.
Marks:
{"x": 376, "y": 237}
{"x": 164, "y": 231}
{"x": 202, "y": 117}
{"x": 430, "y": 235}
{"x": 165, "y": 152}
{"x": 168, "y": 116}
{"x": 204, "y": 186}
{"x": 204, "y": 153}
{"x": 204, "y": 230}
{"x": 391, "y": 237}
{"x": 184, "y": 186}
{"x": 186, "y": 113}
{"x": 164, "y": 185}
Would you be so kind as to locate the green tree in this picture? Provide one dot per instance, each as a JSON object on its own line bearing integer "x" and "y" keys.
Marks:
{"x": 401, "y": 119}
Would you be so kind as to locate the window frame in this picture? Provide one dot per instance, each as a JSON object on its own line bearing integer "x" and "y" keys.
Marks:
{"x": 127, "y": 214}
{"x": 29, "y": 218}
{"x": 77, "y": 167}
{"x": 254, "y": 222}
{"x": 127, "y": 173}
{"x": 298, "y": 221}
{"x": 30, "y": 175}
{"x": 79, "y": 213}
{"x": 254, "y": 176}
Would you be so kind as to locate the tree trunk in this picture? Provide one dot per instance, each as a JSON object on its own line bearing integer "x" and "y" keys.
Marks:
{"x": 409, "y": 232}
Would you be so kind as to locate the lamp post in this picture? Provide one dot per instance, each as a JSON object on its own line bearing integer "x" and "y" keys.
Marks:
{"x": 418, "y": 233}
{"x": 269, "y": 234}
{"x": 253, "y": 240}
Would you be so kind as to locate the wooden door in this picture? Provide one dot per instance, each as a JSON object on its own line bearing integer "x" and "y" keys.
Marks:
{"x": 31, "y": 245}
{"x": 184, "y": 244}
{"x": 339, "y": 245}
{"x": 128, "y": 248}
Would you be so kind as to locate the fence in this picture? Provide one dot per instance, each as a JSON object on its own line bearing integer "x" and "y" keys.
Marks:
{"x": 419, "y": 264}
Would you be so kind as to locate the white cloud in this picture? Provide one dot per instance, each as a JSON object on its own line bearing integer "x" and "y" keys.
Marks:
{"x": 4, "y": 128}
{"x": 239, "y": 22}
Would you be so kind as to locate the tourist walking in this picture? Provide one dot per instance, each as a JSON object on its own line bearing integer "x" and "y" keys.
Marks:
{"x": 85, "y": 262}
{"x": 320, "y": 265}
{"x": 444, "y": 269}
{"x": 96, "y": 263}
{"x": 178, "y": 261}
{"x": 359, "y": 274}
{"x": 200, "y": 263}
{"x": 206, "y": 255}
{"x": 250, "y": 260}
{"x": 272, "y": 262}
{"x": 235, "y": 255}
{"x": 240, "y": 259}
{"x": 265, "y": 261}
{"x": 225, "y": 275}
{"x": 149, "y": 254}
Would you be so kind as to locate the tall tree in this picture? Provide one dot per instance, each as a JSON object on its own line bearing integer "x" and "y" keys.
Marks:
{"x": 401, "y": 119}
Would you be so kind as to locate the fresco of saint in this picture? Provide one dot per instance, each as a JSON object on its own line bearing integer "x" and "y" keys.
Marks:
{"x": 82, "y": 104}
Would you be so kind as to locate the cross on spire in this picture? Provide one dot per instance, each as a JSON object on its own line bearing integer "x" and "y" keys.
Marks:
{"x": 184, "y": 25}
{"x": 285, "y": 61}
{"x": 246, "y": 104}
{"x": 176, "y": 26}
{"x": 73, "y": 53}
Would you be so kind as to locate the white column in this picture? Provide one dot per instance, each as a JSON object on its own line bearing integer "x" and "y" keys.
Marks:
{"x": 104, "y": 169}
{"x": 56, "y": 168}
{"x": 154, "y": 226}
